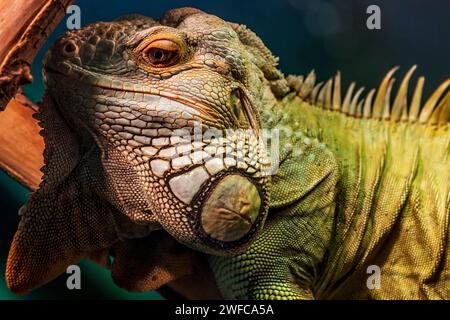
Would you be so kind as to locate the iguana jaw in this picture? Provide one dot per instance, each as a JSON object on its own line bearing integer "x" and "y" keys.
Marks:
{"x": 215, "y": 204}
{"x": 139, "y": 115}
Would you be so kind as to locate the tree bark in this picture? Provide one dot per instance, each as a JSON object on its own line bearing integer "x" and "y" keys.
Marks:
{"x": 26, "y": 24}
{"x": 21, "y": 145}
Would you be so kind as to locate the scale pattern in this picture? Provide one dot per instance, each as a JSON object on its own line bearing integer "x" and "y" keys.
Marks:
{"x": 361, "y": 181}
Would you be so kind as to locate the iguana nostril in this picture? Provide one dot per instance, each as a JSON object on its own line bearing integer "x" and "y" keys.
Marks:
{"x": 231, "y": 209}
{"x": 70, "y": 48}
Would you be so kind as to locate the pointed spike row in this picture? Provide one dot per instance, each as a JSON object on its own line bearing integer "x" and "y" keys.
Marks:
{"x": 400, "y": 101}
{"x": 367, "y": 112}
{"x": 315, "y": 93}
{"x": 432, "y": 102}
{"x": 441, "y": 114}
{"x": 354, "y": 103}
{"x": 404, "y": 116}
{"x": 328, "y": 94}
{"x": 379, "y": 99}
{"x": 337, "y": 92}
{"x": 359, "y": 109}
{"x": 348, "y": 99}
{"x": 387, "y": 101}
{"x": 308, "y": 85}
{"x": 434, "y": 118}
{"x": 417, "y": 97}
{"x": 321, "y": 96}
{"x": 445, "y": 112}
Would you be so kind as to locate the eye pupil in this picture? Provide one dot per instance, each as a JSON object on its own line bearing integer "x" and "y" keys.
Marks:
{"x": 162, "y": 53}
{"x": 158, "y": 54}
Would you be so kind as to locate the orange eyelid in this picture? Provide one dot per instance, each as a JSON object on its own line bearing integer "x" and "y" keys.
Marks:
{"x": 174, "y": 46}
{"x": 163, "y": 41}
{"x": 167, "y": 45}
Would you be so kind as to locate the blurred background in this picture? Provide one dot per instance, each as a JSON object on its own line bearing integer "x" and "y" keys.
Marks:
{"x": 325, "y": 35}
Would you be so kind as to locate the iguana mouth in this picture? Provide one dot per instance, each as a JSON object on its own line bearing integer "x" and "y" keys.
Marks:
{"x": 239, "y": 100}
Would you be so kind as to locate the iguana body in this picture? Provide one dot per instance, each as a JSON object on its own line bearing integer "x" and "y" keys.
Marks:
{"x": 384, "y": 194}
{"x": 359, "y": 183}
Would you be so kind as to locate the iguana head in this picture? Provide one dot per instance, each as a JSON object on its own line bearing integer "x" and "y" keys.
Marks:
{"x": 180, "y": 99}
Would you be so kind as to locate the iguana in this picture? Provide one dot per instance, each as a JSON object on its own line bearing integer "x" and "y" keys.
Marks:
{"x": 134, "y": 119}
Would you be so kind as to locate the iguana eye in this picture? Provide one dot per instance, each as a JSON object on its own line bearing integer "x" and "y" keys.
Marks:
{"x": 162, "y": 53}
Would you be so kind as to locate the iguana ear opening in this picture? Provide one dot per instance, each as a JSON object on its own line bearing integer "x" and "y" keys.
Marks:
{"x": 64, "y": 219}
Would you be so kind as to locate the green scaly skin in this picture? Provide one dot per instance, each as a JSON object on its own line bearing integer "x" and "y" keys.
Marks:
{"x": 381, "y": 197}
{"x": 360, "y": 182}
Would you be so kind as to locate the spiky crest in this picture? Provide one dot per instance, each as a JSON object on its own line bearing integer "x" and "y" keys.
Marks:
{"x": 377, "y": 104}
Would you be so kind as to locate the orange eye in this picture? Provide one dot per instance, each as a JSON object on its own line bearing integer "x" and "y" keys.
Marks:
{"x": 162, "y": 53}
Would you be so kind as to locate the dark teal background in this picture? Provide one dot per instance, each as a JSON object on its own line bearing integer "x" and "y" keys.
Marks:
{"x": 305, "y": 34}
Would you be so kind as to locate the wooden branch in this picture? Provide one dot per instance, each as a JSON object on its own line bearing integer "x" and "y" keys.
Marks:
{"x": 21, "y": 146}
{"x": 26, "y": 24}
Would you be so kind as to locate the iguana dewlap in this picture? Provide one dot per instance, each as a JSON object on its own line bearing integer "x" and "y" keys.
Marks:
{"x": 154, "y": 125}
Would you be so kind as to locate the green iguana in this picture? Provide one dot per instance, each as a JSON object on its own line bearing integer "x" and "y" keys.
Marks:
{"x": 134, "y": 122}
